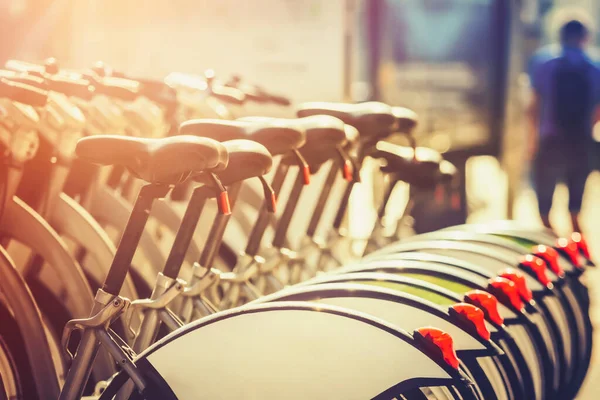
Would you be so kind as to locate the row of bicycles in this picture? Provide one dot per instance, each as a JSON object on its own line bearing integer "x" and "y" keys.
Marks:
{"x": 146, "y": 254}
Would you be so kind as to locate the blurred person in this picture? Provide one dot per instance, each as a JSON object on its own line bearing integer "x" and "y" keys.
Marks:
{"x": 566, "y": 91}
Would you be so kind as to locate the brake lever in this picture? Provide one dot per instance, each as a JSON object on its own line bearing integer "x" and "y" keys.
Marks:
{"x": 348, "y": 171}
{"x": 303, "y": 166}
{"x": 222, "y": 196}
{"x": 270, "y": 195}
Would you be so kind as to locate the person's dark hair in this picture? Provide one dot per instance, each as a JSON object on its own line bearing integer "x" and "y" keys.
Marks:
{"x": 573, "y": 32}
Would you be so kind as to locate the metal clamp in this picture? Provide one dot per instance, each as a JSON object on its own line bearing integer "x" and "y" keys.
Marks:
{"x": 106, "y": 316}
{"x": 161, "y": 302}
{"x": 210, "y": 278}
{"x": 283, "y": 256}
{"x": 269, "y": 266}
{"x": 240, "y": 280}
{"x": 240, "y": 277}
{"x": 288, "y": 255}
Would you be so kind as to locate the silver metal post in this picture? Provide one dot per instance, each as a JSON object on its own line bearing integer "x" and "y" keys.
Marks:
{"x": 148, "y": 329}
{"x": 151, "y": 320}
{"x": 171, "y": 320}
{"x": 81, "y": 367}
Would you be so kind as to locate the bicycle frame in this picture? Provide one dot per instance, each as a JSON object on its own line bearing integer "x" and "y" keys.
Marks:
{"x": 108, "y": 306}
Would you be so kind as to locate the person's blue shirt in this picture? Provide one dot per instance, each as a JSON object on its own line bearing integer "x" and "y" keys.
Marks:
{"x": 541, "y": 72}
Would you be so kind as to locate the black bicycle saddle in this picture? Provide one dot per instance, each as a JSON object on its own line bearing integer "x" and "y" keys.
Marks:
{"x": 420, "y": 168}
{"x": 276, "y": 136}
{"x": 325, "y": 135}
{"x": 247, "y": 159}
{"x": 406, "y": 119}
{"x": 448, "y": 171}
{"x": 371, "y": 118}
{"x": 352, "y": 134}
{"x": 167, "y": 160}
{"x": 155, "y": 90}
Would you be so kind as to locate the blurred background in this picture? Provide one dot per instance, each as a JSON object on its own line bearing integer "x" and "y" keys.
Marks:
{"x": 458, "y": 63}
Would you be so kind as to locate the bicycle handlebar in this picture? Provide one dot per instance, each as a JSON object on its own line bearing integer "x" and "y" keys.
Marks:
{"x": 22, "y": 66}
{"x": 71, "y": 87}
{"x": 23, "y": 93}
{"x": 154, "y": 89}
{"x": 257, "y": 93}
{"x": 48, "y": 77}
{"x": 228, "y": 95}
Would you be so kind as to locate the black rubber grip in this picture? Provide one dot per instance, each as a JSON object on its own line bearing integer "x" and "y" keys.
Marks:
{"x": 23, "y": 93}
{"x": 154, "y": 89}
{"x": 228, "y": 95}
{"x": 280, "y": 100}
{"x": 71, "y": 87}
{"x": 114, "y": 90}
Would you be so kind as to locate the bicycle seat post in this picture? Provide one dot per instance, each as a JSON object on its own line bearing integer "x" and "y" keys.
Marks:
{"x": 350, "y": 171}
{"x": 280, "y": 137}
{"x": 81, "y": 366}
{"x": 325, "y": 139}
{"x": 279, "y": 240}
{"x": 260, "y": 226}
{"x": 323, "y": 196}
{"x": 217, "y": 230}
{"x": 341, "y": 213}
{"x": 387, "y": 195}
{"x": 186, "y": 230}
{"x": 162, "y": 163}
{"x": 131, "y": 236}
{"x": 373, "y": 120}
{"x": 168, "y": 277}
{"x": 154, "y": 315}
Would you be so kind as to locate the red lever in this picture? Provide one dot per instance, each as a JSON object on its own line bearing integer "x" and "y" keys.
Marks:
{"x": 347, "y": 170}
{"x": 508, "y": 289}
{"x": 571, "y": 249}
{"x": 538, "y": 266}
{"x": 519, "y": 280}
{"x": 274, "y": 202}
{"x": 581, "y": 244}
{"x": 487, "y": 302}
{"x": 304, "y": 168}
{"x": 443, "y": 342}
{"x": 549, "y": 255}
{"x": 306, "y": 174}
{"x": 455, "y": 201}
{"x": 439, "y": 194}
{"x": 270, "y": 196}
{"x": 223, "y": 203}
{"x": 474, "y": 315}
